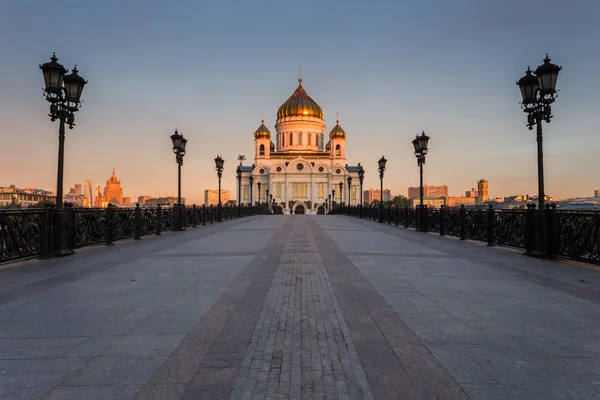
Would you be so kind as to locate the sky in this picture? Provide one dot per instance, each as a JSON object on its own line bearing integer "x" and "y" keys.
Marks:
{"x": 390, "y": 68}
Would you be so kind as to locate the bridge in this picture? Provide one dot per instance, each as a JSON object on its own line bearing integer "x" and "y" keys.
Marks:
{"x": 297, "y": 307}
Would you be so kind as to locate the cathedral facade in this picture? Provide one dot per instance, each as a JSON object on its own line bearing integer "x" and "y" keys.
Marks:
{"x": 300, "y": 170}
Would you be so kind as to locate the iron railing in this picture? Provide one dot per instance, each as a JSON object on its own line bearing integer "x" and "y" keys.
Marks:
{"x": 27, "y": 233}
{"x": 568, "y": 234}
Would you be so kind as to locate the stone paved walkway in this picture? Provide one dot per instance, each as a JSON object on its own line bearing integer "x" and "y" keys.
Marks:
{"x": 299, "y": 307}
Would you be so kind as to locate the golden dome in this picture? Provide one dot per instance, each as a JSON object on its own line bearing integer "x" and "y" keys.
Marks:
{"x": 262, "y": 132}
{"x": 300, "y": 105}
{"x": 328, "y": 146}
{"x": 337, "y": 132}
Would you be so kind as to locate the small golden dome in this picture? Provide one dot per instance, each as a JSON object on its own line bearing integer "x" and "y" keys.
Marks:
{"x": 262, "y": 132}
{"x": 328, "y": 146}
{"x": 300, "y": 105}
{"x": 337, "y": 132}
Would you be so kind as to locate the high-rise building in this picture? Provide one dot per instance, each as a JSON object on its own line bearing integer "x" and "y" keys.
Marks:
{"x": 113, "y": 193}
{"x": 78, "y": 191}
{"x": 97, "y": 195}
{"x": 371, "y": 195}
{"x": 482, "y": 191}
{"x": 597, "y": 193}
{"x": 211, "y": 196}
{"x": 428, "y": 190}
{"x": 87, "y": 192}
{"x": 367, "y": 196}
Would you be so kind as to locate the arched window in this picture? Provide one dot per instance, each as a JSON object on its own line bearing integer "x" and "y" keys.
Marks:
{"x": 338, "y": 151}
{"x": 291, "y": 138}
{"x": 300, "y": 138}
{"x": 261, "y": 150}
{"x": 282, "y": 140}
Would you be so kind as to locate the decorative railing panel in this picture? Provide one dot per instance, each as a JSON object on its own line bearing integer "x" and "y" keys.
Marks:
{"x": 476, "y": 225}
{"x": 28, "y": 233}
{"x": 124, "y": 223}
{"x": 90, "y": 226}
{"x": 20, "y": 233}
{"x": 434, "y": 220}
{"x": 452, "y": 222}
{"x": 509, "y": 228}
{"x": 579, "y": 235}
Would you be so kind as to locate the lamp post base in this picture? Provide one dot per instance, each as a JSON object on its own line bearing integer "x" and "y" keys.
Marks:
{"x": 60, "y": 235}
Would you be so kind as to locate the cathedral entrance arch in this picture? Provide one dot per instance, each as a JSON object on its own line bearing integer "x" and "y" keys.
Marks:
{"x": 321, "y": 210}
{"x": 300, "y": 209}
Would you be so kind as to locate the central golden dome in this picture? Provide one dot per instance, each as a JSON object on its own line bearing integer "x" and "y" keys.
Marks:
{"x": 300, "y": 105}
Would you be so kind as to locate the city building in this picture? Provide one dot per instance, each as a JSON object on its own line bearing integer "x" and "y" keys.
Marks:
{"x": 78, "y": 200}
{"x": 459, "y": 201}
{"x": 143, "y": 199}
{"x": 24, "y": 197}
{"x": 597, "y": 193}
{"x": 371, "y": 195}
{"x": 87, "y": 192}
{"x": 430, "y": 202}
{"x": 428, "y": 190}
{"x": 471, "y": 193}
{"x": 482, "y": 191}
{"x": 113, "y": 193}
{"x": 211, "y": 196}
{"x": 76, "y": 190}
{"x": 163, "y": 201}
{"x": 300, "y": 169}
{"x": 97, "y": 195}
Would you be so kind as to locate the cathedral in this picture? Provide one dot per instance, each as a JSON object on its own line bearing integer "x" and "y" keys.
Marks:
{"x": 296, "y": 171}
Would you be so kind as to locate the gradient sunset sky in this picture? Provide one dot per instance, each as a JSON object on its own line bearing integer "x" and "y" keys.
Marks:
{"x": 390, "y": 68}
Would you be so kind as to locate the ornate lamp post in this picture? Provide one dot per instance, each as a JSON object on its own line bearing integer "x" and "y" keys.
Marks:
{"x": 63, "y": 92}
{"x": 333, "y": 194}
{"x": 382, "y": 161}
{"x": 179, "y": 143}
{"x": 258, "y": 186}
{"x": 420, "y": 144}
{"x": 349, "y": 189}
{"x": 329, "y": 203}
{"x": 251, "y": 179}
{"x": 361, "y": 176}
{"x": 239, "y": 177}
{"x": 538, "y": 91}
{"x": 219, "y": 167}
{"x": 341, "y": 194}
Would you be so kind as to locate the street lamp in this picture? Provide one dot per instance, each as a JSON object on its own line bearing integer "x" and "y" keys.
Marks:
{"x": 420, "y": 145}
{"x": 219, "y": 167}
{"x": 63, "y": 92}
{"x": 239, "y": 177}
{"x": 538, "y": 91}
{"x": 333, "y": 193}
{"x": 251, "y": 179}
{"x": 361, "y": 176}
{"x": 349, "y": 188}
{"x": 179, "y": 143}
{"x": 258, "y": 185}
{"x": 382, "y": 161}
{"x": 341, "y": 194}
{"x": 329, "y": 203}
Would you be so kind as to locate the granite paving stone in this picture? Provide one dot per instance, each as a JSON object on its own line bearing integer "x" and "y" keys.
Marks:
{"x": 299, "y": 307}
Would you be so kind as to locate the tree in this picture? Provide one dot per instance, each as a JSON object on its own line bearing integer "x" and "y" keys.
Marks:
{"x": 400, "y": 201}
